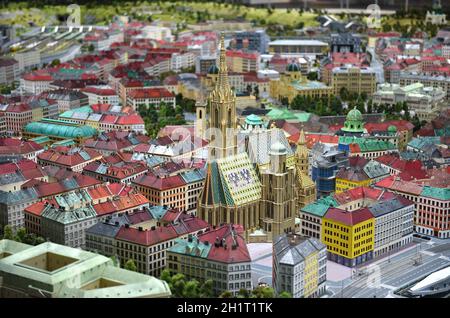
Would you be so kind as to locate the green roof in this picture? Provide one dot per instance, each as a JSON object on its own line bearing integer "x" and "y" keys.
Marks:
{"x": 158, "y": 211}
{"x": 354, "y": 115}
{"x": 302, "y": 117}
{"x": 193, "y": 248}
{"x": 316, "y": 209}
{"x": 421, "y": 142}
{"x": 436, "y": 193}
{"x": 41, "y": 139}
{"x": 354, "y": 121}
{"x": 367, "y": 145}
{"x": 65, "y": 142}
{"x": 392, "y": 128}
{"x": 442, "y": 132}
{"x": 320, "y": 207}
{"x": 277, "y": 114}
{"x": 61, "y": 129}
{"x": 69, "y": 113}
{"x": 253, "y": 120}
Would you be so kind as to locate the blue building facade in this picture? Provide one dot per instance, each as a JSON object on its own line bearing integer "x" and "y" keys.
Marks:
{"x": 324, "y": 170}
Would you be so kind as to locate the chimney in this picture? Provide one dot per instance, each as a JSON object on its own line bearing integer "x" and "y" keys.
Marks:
{"x": 141, "y": 229}
{"x": 127, "y": 226}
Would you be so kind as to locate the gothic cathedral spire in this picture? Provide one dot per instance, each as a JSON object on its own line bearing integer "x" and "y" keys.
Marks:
{"x": 223, "y": 119}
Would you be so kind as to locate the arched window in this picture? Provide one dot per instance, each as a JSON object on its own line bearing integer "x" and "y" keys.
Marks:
{"x": 200, "y": 114}
{"x": 229, "y": 117}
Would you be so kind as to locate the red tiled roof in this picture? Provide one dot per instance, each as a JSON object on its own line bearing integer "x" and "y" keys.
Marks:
{"x": 22, "y": 166}
{"x": 32, "y": 183}
{"x": 241, "y": 54}
{"x": 312, "y": 139}
{"x": 16, "y": 146}
{"x": 349, "y": 218}
{"x": 100, "y": 108}
{"x": 63, "y": 156}
{"x": 36, "y": 208}
{"x": 118, "y": 172}
{"x": 99, "y": 91}
{"x": 357, "y": 161}
{"x": 148, "y": 237}
{"x": 121, "y": 203}
{"x": 150, "y": 180}
{"x": 38, "y": 76}
{"x": 357, "y": 194}
{"x": 230, "y": 234}
{"x": 396, "y": 184}
{"x": 171, "y": 215}
{"x": 150, "y": 93}
{"x": 133, "y": 119}
{"x": 18, "y": 108}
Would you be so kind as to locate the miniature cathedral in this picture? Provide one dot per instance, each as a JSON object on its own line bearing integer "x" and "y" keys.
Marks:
{"x": 264, "y": 199}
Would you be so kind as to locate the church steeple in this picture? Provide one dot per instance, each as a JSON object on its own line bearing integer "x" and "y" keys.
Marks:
{"x": 301, "y": 138}
{"x": 222, "y": 81}
{"x": 301, "y": 153}
{"x": 222, "y": 113}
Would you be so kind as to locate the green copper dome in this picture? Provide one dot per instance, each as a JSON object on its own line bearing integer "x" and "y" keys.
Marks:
{"x": 354, "y": 115}
{"x": 354, "y": 122}
{"x": 293, "y": 67}
{"x": 392, "y": 128}
{"x": 213, "y": 69}
{"x": 253, "y": 120}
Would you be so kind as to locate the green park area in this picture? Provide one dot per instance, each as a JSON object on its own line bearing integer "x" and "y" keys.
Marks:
{"x": 188, "y": 12}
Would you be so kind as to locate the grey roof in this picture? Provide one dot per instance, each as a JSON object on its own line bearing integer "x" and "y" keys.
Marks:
{"x": 374, "y": 169}
{"x": 66, "y": 94}
{"x": 293, "y": 254}
{"x": 9, "y": 178}
{"x": 385, "y": 207}
{"x": 71, "y": 216}
{"x": 21, "y": 196}
{"x": 108, "y": 228}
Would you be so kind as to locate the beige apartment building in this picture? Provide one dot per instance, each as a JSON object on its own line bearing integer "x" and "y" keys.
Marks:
{"x": 356, "y": 80}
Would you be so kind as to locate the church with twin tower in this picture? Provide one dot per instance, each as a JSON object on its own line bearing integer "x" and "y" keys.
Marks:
{"x": 236, "y": 191}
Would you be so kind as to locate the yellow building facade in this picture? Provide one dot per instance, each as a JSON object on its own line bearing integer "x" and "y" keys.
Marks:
{"x": 355, "y": 79}
{"x": 293, "y": 83}
{"x": 349, "y": 236}
{"x": 343, "y": 185}
{"x": 311, "y": 277}
{"x": 306, "y": 187}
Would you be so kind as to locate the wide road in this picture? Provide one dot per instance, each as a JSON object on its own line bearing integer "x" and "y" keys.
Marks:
{"x": 383, "y": 277}
{"x": 377, "y": 66}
